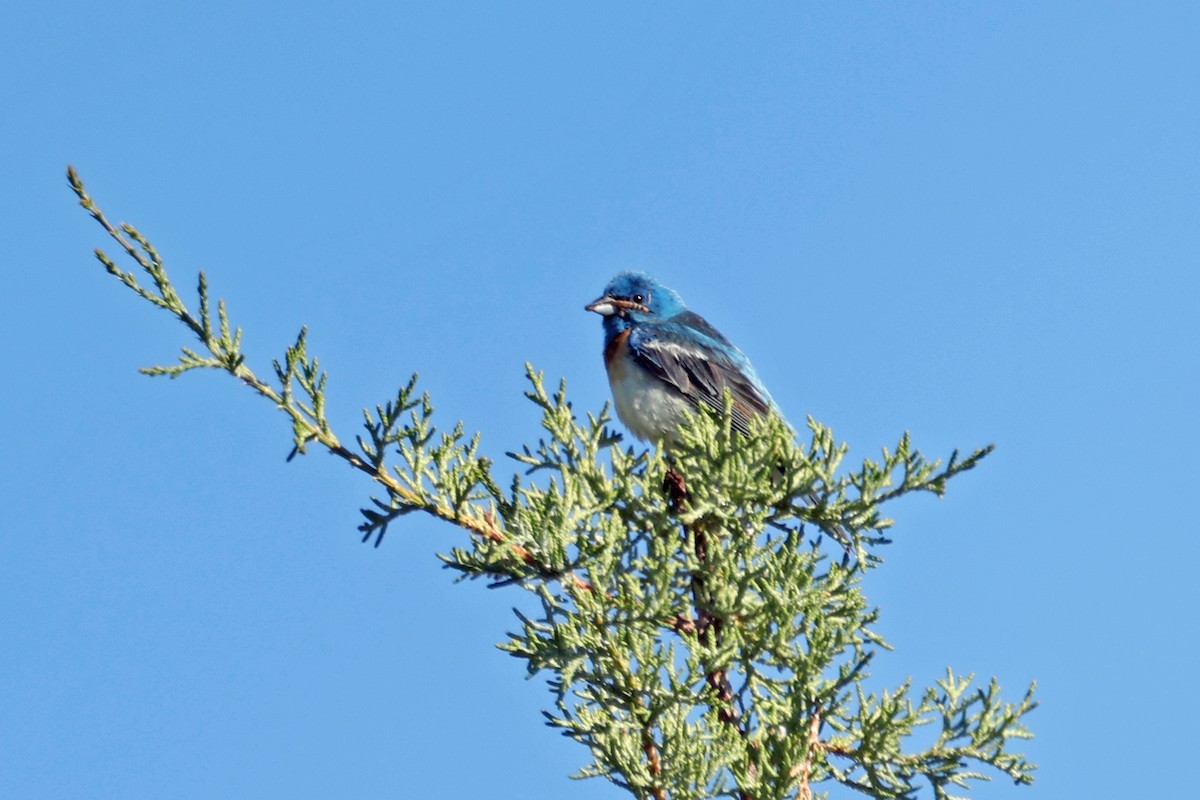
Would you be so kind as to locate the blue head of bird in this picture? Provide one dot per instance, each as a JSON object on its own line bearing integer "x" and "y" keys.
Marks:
{"x": 632, "y": 298}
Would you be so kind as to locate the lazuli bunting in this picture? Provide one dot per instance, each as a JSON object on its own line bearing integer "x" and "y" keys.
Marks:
{"x": 663, "y": 360}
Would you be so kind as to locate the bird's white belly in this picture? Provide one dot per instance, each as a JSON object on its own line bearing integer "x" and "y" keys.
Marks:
{"x": 647, "y": 406}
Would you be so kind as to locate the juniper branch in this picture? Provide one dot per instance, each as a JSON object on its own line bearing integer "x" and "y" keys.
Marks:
{"x": 308, "y": 420}
{"x": 694, "y": 640}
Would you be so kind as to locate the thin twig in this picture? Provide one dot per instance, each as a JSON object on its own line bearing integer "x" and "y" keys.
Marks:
{"x": 480, "y": 523}
{"x": 707, "y": 625}
{"x": 805, "y": 767}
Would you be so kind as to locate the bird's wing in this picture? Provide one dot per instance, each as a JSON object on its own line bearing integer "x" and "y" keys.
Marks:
{"x": 693, "y": 357}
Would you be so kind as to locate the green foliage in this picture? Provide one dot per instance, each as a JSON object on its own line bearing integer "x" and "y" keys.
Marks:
{"x": 699, "y": 634}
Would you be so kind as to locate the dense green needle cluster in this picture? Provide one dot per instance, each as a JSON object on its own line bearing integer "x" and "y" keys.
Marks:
{"x": 700, "y": 635}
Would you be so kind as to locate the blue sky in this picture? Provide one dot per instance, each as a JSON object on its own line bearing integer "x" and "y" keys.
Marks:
{"x": 977, "y": 222}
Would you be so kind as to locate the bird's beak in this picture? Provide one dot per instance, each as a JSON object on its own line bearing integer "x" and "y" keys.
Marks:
{"x": 604, "y": 306}
{"x": 608, "y": 305}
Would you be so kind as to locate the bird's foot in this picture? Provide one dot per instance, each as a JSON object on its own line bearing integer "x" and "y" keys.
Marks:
{"x": 676, "y": 488}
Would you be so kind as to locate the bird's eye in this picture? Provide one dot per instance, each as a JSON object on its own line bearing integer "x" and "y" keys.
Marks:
{"x": 637, "y": 298}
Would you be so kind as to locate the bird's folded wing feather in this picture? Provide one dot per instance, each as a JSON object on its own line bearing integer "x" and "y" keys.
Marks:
{"x": 693, "y": 357}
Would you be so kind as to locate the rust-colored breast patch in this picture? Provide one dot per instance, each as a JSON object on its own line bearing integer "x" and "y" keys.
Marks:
{"x": 614, "y": 348}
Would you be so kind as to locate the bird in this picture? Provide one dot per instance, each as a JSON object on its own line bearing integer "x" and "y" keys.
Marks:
{"x": 665, "y": 360}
